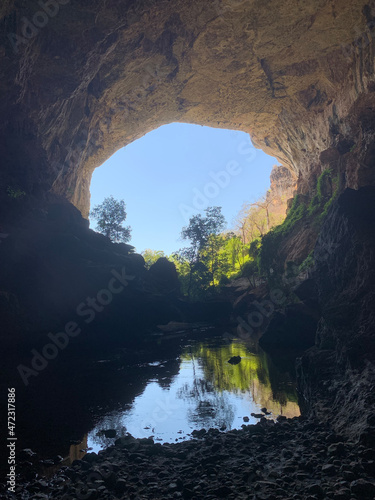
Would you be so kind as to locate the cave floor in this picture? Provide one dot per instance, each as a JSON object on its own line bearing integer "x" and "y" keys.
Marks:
{"x": 290, "y": 459}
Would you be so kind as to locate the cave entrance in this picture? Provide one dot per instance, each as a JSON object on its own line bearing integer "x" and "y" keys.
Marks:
{"x": 175, "y": 172}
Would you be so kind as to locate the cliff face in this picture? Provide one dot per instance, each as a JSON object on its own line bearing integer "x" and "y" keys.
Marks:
{"x": 337, "y": 376}
{"x": 283, "y": 183}
{"x": 82, "y": 81}
{"x": 282, "y": 189}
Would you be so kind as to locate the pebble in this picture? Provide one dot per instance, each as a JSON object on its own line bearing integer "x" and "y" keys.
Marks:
{"x": 288, "y": 460}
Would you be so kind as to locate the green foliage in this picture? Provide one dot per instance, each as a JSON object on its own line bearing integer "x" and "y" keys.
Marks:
{"x": 271, "y": 388}
{"x": 254, "y": 248}
{"x": 271, "y": 241}
{"x": 110, "y": 215}
{"x": 250, "y": 271}
{"x": 320, "y": 197}
{"x": 201, "y": 265}
{"x": 224, "y": 280}
{"x": 249, "y": 268}
{"x": 15, "y": 193}
{"x": 295, "y": 214}
{"x": 214, "y": 258}
{"x": 327, "y": 190}
{"x": 201, "y": 228}
{"x": 292, "y": 269}
{"x": 308, "y": 263}
{"x": 336, "y": 185}
{"x": 194, "y": 277}
{"x": 152, "y": 256}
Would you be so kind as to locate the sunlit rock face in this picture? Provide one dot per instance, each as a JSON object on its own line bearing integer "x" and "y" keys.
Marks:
{"x": 82, "y": 80}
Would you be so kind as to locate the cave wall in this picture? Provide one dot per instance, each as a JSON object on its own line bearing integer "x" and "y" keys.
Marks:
{"x": 337, "y": 375}
{"x": 80, "y": 81}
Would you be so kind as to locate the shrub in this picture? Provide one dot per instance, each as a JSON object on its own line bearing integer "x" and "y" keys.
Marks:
{"x": 224, "y": 280}
{"x": 308, "y": 263}
{"x": 15, "y": 193}
{"x": 271, "y": 241}
{"x": 249, "y": 269}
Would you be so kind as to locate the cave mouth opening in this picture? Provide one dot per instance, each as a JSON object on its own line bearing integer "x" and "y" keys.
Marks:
{"x": 177, "y": 171}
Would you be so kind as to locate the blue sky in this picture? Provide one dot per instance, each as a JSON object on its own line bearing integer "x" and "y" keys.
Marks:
{"x": 176, "y": 171}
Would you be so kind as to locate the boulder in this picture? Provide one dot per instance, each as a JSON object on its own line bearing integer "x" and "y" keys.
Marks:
{"x": 293, "y": 328}
{"x": 162, "y": 277}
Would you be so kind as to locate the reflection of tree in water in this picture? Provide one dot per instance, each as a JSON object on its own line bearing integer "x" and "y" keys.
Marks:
{"x": 212, "y": 409}
{"x": 283, "y": 388}
{"x": 200, "y": 388}
{"x": 212, "y": 413}
{"x": 255, "y": 374}
{"x": 262, "y": 374}
{"x": 113, "y": 421}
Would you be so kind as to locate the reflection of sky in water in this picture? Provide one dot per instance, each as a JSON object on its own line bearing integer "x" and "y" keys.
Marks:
{"x": 207, "y": 392}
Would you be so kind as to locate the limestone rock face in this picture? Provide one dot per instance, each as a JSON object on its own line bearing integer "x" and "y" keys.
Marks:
{"x": 337, "y": 376}
{"x": 81, "y": 80}
{"x": 345, "y": 277}
{"x": 283, "y": 182}
{"x": 283, "y": 188}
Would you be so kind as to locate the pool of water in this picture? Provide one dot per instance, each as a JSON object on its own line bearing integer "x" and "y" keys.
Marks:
{"x": 206, "y": 392}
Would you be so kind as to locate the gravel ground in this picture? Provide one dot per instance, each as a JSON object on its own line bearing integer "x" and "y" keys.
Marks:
{"x": 289, "y": 459}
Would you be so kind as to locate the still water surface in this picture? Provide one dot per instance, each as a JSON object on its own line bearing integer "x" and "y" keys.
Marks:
{"x": 206, "y": 392}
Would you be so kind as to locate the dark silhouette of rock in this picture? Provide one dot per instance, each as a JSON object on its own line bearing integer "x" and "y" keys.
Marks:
{"x": 162, "y": 276}
{"x": 337, "y": 376}
{"x": 234, "y": 360}
{"x": 293, "y": 328}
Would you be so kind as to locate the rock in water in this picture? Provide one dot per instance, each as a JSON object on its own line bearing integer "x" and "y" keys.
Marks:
{"x": 110, "y": 433}
{"x": 234, "y": 360}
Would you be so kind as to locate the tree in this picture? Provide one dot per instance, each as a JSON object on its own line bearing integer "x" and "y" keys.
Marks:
{"x": 264, "y": 204}
{"x": 237, "y": 251}
{"x": 110, "y": 215}
{"x": 252, "y": 222}
{"x": 199, "y": 262}
{"x": 194, "y": 276}
{"x": 213, "y": 258}
{"x": 201, "y": 228}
